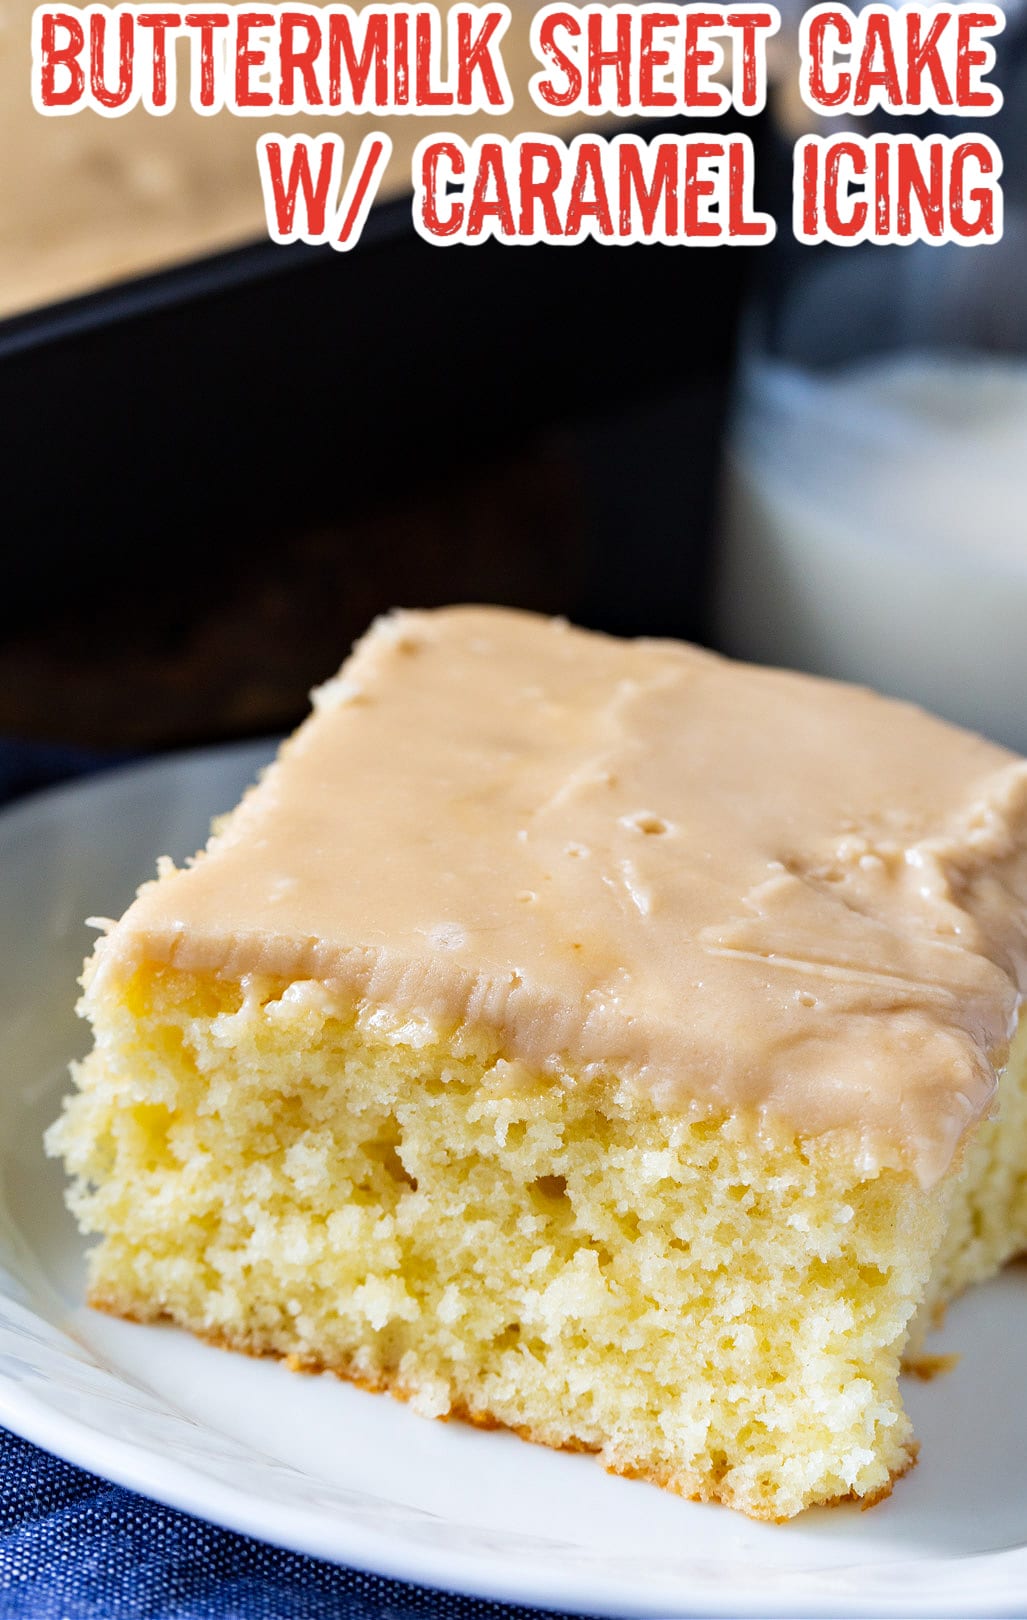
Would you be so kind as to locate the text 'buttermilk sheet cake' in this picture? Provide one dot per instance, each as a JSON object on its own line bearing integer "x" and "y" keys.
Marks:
{"x": 593, "y": 1037}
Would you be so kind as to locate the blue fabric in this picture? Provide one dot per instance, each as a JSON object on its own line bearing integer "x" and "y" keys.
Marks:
{"x": 74, "y": 1547}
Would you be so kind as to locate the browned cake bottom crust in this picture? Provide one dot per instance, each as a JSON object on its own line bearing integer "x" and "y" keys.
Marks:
{"x": 714, "y": 1491}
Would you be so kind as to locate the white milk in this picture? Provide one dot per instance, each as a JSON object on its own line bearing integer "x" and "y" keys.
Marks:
{"x": 875, "y": 528}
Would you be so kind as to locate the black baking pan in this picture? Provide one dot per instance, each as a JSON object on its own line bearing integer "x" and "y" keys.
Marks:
{"x": 214, "y": 476}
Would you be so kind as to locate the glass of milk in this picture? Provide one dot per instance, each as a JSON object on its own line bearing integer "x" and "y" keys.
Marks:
{"x": 874, "y": 514}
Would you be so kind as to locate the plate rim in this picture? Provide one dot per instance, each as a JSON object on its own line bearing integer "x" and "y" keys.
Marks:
{"x": 133, "y": 1466}
{"x": 928, "y": 1587}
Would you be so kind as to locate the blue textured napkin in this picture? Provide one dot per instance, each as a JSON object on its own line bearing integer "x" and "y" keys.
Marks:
{"x": 74, "y": 1547}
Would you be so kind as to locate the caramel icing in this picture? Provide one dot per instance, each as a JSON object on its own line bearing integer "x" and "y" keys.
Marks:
{"x": 90, "y": 199}
{"x": 736, "y": 888}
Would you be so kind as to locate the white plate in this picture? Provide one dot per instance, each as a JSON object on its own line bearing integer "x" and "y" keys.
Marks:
{"x": 313, "y": 1464}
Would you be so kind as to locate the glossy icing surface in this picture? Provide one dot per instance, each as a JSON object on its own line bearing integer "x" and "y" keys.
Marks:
{"x": 735, "y": 887}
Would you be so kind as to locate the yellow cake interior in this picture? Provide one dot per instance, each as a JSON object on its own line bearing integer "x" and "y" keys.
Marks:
{"x": 714, "y": 1306}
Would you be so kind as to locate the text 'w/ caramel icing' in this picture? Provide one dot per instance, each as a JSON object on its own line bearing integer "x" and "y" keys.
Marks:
{"x": 735, "y": 888}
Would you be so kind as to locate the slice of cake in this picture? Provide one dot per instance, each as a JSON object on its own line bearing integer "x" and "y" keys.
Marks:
{"x": 597, "y": 1038}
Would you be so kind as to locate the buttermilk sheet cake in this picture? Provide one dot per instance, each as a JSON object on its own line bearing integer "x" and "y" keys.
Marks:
{"x": 592, "y": 1037}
